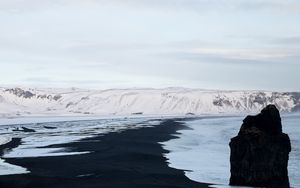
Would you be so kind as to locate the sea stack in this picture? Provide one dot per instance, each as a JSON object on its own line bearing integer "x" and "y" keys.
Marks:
{"x": 260, "y": 152}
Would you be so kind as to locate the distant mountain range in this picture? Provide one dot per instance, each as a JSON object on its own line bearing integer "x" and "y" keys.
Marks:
{"x": 173, "y": 101}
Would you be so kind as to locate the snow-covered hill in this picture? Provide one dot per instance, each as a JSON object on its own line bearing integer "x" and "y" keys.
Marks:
{"x": 29, "y": 101}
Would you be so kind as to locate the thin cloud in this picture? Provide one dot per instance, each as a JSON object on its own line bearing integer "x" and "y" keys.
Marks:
{"x": 236, "y": 56}
{"x": 250, "y": 54}
{"x": 291, "y": 41}
{"x": 18, "y": 6}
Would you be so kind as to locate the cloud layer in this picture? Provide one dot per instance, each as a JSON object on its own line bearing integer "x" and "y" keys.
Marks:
{"x": 227, "y": 44}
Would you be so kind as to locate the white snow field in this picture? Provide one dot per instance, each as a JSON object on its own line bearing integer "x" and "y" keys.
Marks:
{"x": 16, "y": 102}
{"x": 203, "y": 151}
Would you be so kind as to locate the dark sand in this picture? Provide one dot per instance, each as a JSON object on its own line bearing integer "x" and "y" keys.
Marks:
{"x": 130, "y": 159}
{"x": 15, "y": 142}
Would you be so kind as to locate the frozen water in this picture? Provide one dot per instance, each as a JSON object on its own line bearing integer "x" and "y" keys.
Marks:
{"x": 204, "y": 152}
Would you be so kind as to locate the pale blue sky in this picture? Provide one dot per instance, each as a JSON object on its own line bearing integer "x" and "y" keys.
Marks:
{"x": 211, "y": 44}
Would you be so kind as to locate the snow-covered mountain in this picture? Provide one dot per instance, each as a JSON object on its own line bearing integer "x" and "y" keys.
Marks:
{"x": 33, "y": 101}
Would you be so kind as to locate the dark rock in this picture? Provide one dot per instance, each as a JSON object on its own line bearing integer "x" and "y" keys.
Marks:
{"x": 24, "y": 129}
{"x": 57, "y": 97}
{"x": 219, "y": 101}
{"x": 137, "y": 113}
{"x": 49, "y": 127}
{"x": 69, "y": 104}
{"x": 268, "y": 121}
{"x": 259, "y": 154}
{"x": 189, "y": 114}
{"x": 20, "y": 93}
{"x": 27, "y": 130}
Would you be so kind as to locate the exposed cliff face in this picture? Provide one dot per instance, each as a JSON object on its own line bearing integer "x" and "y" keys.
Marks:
{"x": 260, "y": 152}
{"x": 20, "y": 92}
{"x": 148, "y": 101}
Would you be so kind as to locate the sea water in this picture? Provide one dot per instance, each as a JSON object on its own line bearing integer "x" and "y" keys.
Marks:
{"x": 203, "y": 151}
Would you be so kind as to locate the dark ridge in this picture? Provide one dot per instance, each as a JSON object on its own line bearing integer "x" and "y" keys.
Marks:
{"x": 20, "y": 92}
{"x": 129, "y": 159}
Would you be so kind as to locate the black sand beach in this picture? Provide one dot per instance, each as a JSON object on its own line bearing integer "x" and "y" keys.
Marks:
{"x": 15, "y": 142}
{"x": 129, "y": 159}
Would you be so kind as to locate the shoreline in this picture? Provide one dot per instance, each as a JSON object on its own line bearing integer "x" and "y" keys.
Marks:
{"x": 13, "y": 143}
{"x": 23, "y": 120}
{"x": 131, "y": 158}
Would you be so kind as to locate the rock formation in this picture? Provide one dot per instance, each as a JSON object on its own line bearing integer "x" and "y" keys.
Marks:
{"x": 260, "y": 152}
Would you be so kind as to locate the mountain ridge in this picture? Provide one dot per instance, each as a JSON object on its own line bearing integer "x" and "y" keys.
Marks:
{"x": 19, "y": 101}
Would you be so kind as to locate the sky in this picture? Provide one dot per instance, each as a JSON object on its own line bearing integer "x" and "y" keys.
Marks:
{"x": 208, "y": 44}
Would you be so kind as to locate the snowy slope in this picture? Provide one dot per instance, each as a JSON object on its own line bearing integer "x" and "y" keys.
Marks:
{"x": 37, "y": 101}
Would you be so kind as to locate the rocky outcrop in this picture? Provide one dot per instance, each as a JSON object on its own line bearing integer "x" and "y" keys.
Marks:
{"x": 24, "y": 129}
{"x": 20, "y": 92}
{"x": 260, "y": 152}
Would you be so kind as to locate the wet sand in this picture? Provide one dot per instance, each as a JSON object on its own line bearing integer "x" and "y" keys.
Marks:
{"x": 129, "y": 159}
{"x": 15, "y": 142}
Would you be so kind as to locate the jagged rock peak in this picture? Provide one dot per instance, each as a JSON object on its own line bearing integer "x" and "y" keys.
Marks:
{"x": 259, "y": 154}
{"x": 268, "y": 121}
